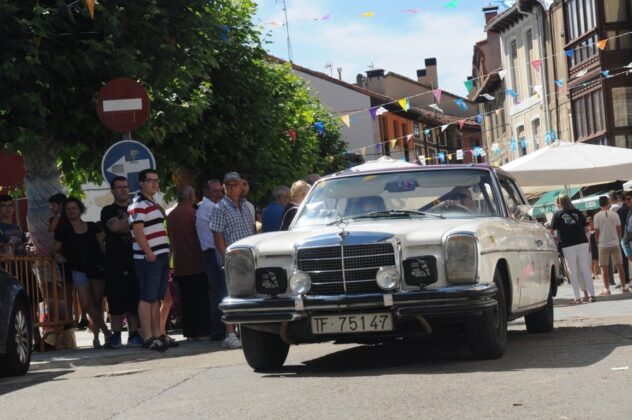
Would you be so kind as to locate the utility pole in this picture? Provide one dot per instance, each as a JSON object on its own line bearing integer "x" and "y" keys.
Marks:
{"x": 287, "y": 30}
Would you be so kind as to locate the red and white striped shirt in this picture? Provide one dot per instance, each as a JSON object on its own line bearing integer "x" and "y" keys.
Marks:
{"x": 144, "y": 210}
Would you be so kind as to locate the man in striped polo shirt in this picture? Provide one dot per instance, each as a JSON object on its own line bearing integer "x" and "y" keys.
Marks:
{"x": 151, "y": 257}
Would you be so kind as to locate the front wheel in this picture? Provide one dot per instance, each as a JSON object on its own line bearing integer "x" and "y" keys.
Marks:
{"x": 263, "y": 351}
{"x": 19, "y": 342}
{"x": 541, "y": 321}
{"x": 487, "y": 334}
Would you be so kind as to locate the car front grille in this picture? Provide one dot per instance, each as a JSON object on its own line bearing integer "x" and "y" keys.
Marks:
{"x": 332, "y": 275}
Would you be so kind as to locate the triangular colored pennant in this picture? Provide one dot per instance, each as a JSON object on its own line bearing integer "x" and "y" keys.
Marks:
{"x": 569, "y": 53}
{"x": 346, "y": 120}
{"x": 461, "y": 124}
{"x": 409, "y": 138}
{"x": 459, "y": 154}
{"x": 444, "y": 127}
{"x": 468, "y": 85}
{"x": 367, "y": 14}
{"x": 559, "y": 83}
{"x": 605, "y": 73}
{"x": 363, "y": 151}
{"x": 512, "y": 93}
{"x": 437, "y": 94}
{"x": 629, "y": 66}
{"x": 502, "y": 74}
{"x": 601, "y": 44}
{"x": 326, "y": 17}
{"x": 479, "y": 118}
{"x": 404, "y": 103}
{"x": 320, "y": 127}
{"x": 392, "y": 143}
{"x": 422, "y": 159}
{"x": 538, "y": 90}
{"x": 426, "y": 131}
{"x": 436, "y": 107}
{"x": 90, "y": 4}
{"x": 292, "y": 134}
{"x": 381, "y": 110}
{"x": 536, "y": 64}
{"x": 487, "y": 96}
{"x": 412, "y": 11}
{"x": 373, "y": 112}
{"x": 581, "y": 73}
{"x": 461, "y": 104}
{"x": 452, "y": 4}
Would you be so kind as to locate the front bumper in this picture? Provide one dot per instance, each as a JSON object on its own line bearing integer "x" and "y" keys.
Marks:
{"x": 453, "y": 301}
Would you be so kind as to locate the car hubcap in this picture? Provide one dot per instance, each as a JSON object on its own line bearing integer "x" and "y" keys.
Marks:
{"x": 21, "y": 337}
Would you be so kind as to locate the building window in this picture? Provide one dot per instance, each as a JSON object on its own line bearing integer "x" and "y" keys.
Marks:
{"x": 531, "y": 77}
{"x": 535, "y": 129}
{"x": 580, "y": 17}
{"x": 584, "y": 51}
{"x": 522, "y": 141}
{"x": 617, "y": 11}
{"x": 619, "y": 40}
{"x": 416, "y": 130}
{"x": 513, "y": 50}
{"x": 588, "y": 115}
{"x": 622, "y": 106}
{"x": 623, "y": 141}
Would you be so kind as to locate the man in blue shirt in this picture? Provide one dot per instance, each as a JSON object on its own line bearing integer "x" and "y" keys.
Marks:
{"x": 273, "y": 214}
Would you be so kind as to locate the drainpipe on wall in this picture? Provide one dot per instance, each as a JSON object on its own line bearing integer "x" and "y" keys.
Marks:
{"x": 545, "y": 85}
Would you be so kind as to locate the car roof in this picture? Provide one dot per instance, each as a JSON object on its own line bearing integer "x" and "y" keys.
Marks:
{"x": 349, "y": 172}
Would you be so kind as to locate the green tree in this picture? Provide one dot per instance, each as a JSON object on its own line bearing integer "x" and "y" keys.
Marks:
{"x": 217, "y": 102}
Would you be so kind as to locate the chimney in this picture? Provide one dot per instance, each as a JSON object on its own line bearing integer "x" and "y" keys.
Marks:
{"x": 360, "y": 80}
{"x": 490, "y": 13}
{"x": 375, "y": 80}
{"x": 428, "y": 76}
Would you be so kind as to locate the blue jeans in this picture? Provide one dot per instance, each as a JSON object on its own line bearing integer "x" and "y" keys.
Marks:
{"x": 217, "y": 288}
{"x": 153, "y": 278}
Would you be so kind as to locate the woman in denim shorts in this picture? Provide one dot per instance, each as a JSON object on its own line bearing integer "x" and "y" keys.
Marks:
{"x": 79, "y": 244}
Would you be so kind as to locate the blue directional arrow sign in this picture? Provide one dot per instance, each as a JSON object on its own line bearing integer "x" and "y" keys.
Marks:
{"x": 127, "y": 158}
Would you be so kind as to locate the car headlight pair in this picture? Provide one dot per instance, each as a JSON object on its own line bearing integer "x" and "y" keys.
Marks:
{"x": 461, "y": 259}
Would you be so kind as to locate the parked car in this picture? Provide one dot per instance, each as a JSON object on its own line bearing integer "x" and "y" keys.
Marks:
{"x": 392, "y": 253}
{"x": 16, "y": 327}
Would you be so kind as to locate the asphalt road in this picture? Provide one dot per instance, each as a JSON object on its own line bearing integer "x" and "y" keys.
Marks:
{"x": 582, "y": 370}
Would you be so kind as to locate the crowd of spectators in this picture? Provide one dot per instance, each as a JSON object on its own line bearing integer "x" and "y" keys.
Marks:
{"x": 125, "y": 267}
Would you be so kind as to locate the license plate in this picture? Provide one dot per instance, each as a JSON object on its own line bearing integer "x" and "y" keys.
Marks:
{"x": 356, "y": 323}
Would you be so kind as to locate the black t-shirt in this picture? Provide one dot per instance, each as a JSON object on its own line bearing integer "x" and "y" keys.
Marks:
{"x": 118, "y": 246}
{"x": 570, "y": 224}
{"x": 82, "y": 250}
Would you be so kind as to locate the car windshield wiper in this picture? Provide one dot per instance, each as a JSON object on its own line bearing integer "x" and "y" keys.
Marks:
{"x": 386, "y": 213}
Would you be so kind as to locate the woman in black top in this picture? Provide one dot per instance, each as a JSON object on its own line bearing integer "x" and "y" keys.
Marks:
{"x": 82, "y": 250}
{"x": 571, "y": 225}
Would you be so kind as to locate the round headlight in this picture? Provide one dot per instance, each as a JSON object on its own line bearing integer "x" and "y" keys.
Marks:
{"x": 300, "y": 283}
{"x": 387, "y": 278}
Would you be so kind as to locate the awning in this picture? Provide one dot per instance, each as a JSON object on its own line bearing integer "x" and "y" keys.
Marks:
{"x": 546, "y": 203}
{"x": 588, "y": 203}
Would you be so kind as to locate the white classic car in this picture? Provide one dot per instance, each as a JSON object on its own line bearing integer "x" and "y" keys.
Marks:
{"x": 395, "y": 253}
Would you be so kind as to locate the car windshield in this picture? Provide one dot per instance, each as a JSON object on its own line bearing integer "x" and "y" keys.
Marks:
{"x": 445, "y": 193}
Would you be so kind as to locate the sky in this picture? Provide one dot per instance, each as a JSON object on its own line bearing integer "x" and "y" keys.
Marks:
{"x": 398, "y": 37}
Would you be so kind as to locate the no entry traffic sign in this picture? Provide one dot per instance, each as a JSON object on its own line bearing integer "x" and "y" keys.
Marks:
{"x": 127, "y": 158}
{"x": 123, "y": 105}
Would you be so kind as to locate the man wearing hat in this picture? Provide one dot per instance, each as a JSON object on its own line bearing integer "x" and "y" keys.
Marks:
{"x": 231, "y": 220}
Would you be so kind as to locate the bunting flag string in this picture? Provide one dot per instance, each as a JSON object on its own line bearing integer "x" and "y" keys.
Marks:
{"x": 549, "y": 137}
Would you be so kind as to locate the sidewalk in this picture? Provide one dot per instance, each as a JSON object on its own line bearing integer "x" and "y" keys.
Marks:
{"x": 86, "y": 355}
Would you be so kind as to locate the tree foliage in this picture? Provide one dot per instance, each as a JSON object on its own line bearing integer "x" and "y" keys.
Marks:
{"x": 217, "y": 102}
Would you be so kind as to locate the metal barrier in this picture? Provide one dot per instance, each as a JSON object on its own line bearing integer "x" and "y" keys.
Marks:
{"x": 51, "y": 295}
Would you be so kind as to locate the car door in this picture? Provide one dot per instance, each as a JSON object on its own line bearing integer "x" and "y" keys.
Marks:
{"x": 530, "y": 275}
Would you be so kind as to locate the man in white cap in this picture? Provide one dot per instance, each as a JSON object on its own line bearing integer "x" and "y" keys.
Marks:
{"x": 231, "y": 220}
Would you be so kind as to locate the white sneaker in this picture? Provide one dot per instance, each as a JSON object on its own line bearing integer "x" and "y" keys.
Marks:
{"x": 231, "y": 341}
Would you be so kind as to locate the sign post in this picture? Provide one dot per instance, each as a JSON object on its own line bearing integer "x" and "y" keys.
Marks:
{"x": 127, "y": 158}
{"x": 123, "y": 106}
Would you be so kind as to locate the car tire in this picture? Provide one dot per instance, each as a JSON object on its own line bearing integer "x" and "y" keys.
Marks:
{"x": 542, "y": 320}
{"x": 19, "y": 341}
{"x": 487, "y": 334}
{"x": 264, "y": 351}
